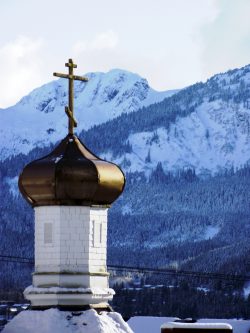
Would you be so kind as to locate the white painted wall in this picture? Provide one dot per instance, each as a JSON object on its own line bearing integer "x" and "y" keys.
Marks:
{"x": 71, "y": 239}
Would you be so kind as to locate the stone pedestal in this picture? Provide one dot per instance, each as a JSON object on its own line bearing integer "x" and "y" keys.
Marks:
{"x": 70, "y": 257}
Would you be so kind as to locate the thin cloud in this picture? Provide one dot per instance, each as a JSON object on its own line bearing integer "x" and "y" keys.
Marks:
{"x": 19, "y": 72}
{"x": 105, "y": 40}
{"x": 172, "y": 43}
{"x": 227, "y": 40}
{"x": 79, "y": 47}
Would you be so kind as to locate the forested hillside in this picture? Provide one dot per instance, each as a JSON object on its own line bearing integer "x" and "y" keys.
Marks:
{"x": 183, "y": 221}
{"x": 179, "y": 221}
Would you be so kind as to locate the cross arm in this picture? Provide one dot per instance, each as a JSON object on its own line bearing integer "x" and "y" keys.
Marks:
{"x": 71, "y": 64}
{"x": 73, "y": 77}
{"x": 80, "y": 78}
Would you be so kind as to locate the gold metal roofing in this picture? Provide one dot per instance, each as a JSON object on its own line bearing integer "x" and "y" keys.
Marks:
{"x": 71, "y": 175}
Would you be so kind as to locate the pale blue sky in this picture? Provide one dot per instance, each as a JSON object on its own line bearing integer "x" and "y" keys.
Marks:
{"x": 173, "y": 43}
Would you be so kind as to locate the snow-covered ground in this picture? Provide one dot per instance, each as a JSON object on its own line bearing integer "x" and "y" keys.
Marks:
{"x": 55, "y": 321}
{"x": 153, "y": 324}
{"x": 89, "y": 321}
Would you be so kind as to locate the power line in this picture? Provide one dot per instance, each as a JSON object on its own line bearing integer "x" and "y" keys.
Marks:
{"x": 176, "y": 272}
{"x": 149, "y": 270}
{"x": 5, "y": 258}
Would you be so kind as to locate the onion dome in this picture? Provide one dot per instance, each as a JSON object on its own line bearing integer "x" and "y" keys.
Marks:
{"x": 71, "y": 175}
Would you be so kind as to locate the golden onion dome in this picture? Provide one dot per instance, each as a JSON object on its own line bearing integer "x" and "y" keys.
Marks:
{"x": 71, "y": 175}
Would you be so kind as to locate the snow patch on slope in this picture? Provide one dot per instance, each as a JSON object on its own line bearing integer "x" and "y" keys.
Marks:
{"x": 210, "y": 232}
{"x": 214, "y": 137}
{"x": 246, "y": 290}
{"x": 13, "y": 185}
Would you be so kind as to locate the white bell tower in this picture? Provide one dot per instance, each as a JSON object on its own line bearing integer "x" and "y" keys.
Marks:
{"x": 70, "y": 257}
{"x": 71, "y": 190}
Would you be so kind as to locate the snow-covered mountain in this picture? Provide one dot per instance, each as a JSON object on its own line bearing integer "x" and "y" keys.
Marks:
{"x": 204, "y": 127}
{"x": 39, "y": 118}
{"x": 214, "y": 137}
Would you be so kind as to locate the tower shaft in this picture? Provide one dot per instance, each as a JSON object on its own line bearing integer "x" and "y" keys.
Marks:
{"x": 70, "y": 257}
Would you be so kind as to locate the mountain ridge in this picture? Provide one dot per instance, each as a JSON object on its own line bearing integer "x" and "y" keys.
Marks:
{"x": 205, "y": 127}
{"x": 38, "y": 119}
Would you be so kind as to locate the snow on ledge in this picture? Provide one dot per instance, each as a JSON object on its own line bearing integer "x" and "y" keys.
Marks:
{"x": 62, "y": 290}
{"x": 56, "y": 321}
{"x": 153, "y": 324}
{"x": 215, "y": 326}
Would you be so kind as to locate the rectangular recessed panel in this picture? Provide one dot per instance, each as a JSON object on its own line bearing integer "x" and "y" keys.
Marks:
{"x": 97, "y": 233}
{"x": 48, "y": 233}
{"x": 100, "y": 233}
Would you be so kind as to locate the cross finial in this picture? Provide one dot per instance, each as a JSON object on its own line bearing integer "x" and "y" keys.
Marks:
{"x": 71, "y": 77}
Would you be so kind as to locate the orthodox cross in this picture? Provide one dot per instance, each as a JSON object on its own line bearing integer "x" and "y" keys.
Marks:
{"x": 71, "y": 77}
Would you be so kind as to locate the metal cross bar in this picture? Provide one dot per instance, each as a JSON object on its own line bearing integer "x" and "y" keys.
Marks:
{"x": 71, "y": 77}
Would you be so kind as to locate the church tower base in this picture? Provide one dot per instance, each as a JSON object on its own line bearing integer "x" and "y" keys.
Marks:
{"x": 70, "y": 257}
{"x": 68, "y": 298}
